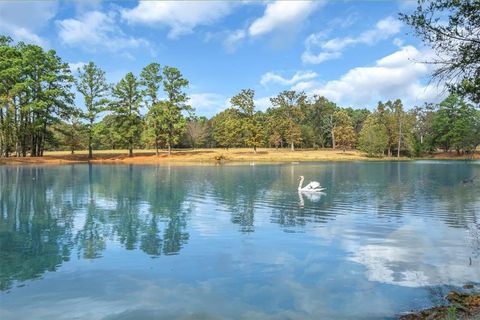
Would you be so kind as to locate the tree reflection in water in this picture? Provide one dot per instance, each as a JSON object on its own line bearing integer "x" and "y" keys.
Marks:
{"x": 48, "y": 214}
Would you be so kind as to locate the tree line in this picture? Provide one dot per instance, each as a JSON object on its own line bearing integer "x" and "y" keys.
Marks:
{"x": 151, "y": 110}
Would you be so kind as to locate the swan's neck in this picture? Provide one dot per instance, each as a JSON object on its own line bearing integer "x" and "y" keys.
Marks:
{"x": 300, "y": 184}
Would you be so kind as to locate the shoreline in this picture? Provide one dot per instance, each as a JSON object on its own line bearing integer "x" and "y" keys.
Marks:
{"x": 214, "y": 156}
{"x": 460, "y": 305}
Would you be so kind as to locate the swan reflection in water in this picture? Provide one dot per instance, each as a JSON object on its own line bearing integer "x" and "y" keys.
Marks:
{"x": 311, "y": 196}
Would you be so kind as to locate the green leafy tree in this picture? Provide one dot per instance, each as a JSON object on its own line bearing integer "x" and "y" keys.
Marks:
{"x": 422, "y": 129}
{"x": 106, "y": 134}
{"x": 319, "y": 116}
{"x": 227, "y": 129}
{"x": 289, "y": 111}
{"x": 167, "y": 122}
{"x": 71, "y": 132}
{"x": 390, "y": 114}
{"x": 151, "y": 81}
{"x": 402, "y": 124}
{"x": 91, "y": 83}
{"x": 456, "y": 125}
{"x": 252, "y": 129}
{"x": 450, "y": 28}
{"x": 358, "y": 117}
{"x": 373, "y": 137}
{"x": 45, "y": 95}
{"x": 172, "y": 119}
{"x": 10, "y": 73}
{"x": 126, "y": 107}
{"x": 466, "y": 129}
{"x": 444, "y": 121}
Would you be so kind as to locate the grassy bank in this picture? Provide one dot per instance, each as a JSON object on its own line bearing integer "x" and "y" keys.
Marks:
{"x": 208, "y": 156}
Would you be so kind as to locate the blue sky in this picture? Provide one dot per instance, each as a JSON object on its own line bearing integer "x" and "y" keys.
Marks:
{"x": 353, "y": 52}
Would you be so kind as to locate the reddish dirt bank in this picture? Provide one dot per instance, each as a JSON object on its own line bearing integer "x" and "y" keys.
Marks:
{"x": 212, "y": 156}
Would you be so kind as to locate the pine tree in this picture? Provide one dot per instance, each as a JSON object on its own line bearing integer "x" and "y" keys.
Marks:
{"x": 91, "y": 83}
{"x": 126, "y": 107}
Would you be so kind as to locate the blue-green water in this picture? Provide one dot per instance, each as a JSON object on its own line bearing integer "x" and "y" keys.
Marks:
{"x": 235, "y": 242}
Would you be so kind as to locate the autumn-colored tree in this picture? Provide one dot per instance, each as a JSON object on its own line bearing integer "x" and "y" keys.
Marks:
{"x": 344, "y": 133}
{"x": 197, "y": 131}
{"x": 275, "y": 139}
{"x": 289, "y": 105}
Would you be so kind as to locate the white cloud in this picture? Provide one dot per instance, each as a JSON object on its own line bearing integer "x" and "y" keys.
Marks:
{"x": 208, "y": 103}
{"x": 398, "y": 75}
{"x": 278, "y": 15}
{"x": 96, "y": 29}
{"x": 300, "y": 81}
{"x": 398, "y": 42}
{"x": 182, "y": 16}
{"x": 305, "y": 86}
{"x": 281, "y": 14}
{"x": 384, "y": 29}
{"x": 309, "y": 57}
{"x": 263, "y": 103}
{"x": 395, "y": 261}
{"x": 271, "y": 77}
{"x": 332, "y": 49}
{"x": 233, "y": 40}
{"x": 22, "y": 20}
{"x": 22, "y": 34}
{"x": 74, "y": 66}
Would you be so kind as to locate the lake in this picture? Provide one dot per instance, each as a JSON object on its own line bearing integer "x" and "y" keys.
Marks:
{"x": 236, "y": 242}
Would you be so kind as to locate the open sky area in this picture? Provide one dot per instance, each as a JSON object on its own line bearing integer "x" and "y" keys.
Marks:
{"x": 355, "y": 53}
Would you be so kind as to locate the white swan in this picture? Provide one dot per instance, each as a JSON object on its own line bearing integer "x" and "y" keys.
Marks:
{"x": 311, "y": 196}
{"x": 313, "y": 186}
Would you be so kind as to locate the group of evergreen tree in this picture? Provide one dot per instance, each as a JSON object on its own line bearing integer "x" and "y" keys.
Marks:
{"x": 37, "y": 113}
{"x": 37, "y": 110}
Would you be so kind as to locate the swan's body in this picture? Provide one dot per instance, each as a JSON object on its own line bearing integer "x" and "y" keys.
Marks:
{"x": 313, "y": 186}
{"x": 310, "y": 196}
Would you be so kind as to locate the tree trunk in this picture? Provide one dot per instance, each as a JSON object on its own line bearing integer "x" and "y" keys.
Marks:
{"x": 399, "y": 138}
{"x": 130, "y": 148}
{"x": 169, "y": 149}
{"x": 292, "y": 146}
{"x": 255, "y": 149}
{"x": 156, "y": 148}
{"x": 90, "y": 151}
{"x": 332, "y": 132}
{"x": 333, "y": 139}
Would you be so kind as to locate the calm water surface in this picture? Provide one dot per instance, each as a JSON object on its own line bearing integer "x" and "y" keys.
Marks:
{"x": 235, "y": 242}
